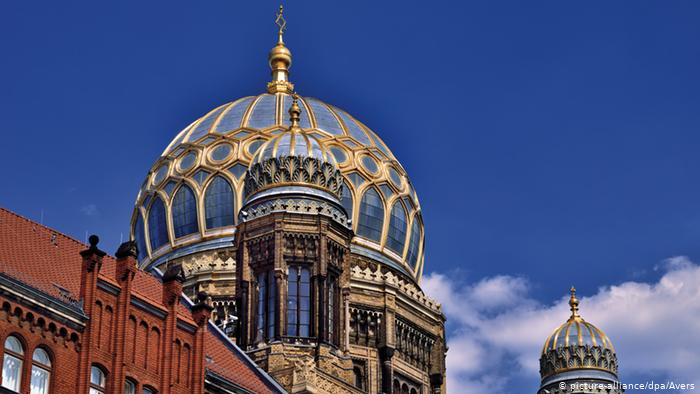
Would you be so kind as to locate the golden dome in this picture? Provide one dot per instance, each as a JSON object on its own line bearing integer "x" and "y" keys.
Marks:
{"x": 216, "y": 150}
{"x": 577, "y": 345}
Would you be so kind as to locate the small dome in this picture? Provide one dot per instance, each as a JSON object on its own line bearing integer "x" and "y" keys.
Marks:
{"x": 577, "y": 345}
{"x": 294, "y": 143}
{"x": 294, "y": 158}
{"x": 577, "y": 332}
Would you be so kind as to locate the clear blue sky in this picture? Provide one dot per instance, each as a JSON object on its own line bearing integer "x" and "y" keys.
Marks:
{"x": 552, "y": 140}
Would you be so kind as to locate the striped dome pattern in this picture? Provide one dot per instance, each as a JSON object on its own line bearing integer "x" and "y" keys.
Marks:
{"x": 193, "y": 193}
{"x": 577, "y": 332}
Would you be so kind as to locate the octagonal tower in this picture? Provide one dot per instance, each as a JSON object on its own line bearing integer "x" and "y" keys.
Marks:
{"x": 307, "y": 232}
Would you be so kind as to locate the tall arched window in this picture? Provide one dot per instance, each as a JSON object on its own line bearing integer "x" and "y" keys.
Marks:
{"x": 129, "y": 387}
{"x": 397, "y": 229}
{"x": 98, "y": 381}
{"x": 139, "y": 236}
{"x": 412, "y": 254}
{"x": 12, "y": 363}
{"x": 218, "y": 203}
{"x": 299, "y": 302}
{"x": 371, "y": 217}
{"x": 184, "y": 212}
{"x": 148, "y": 390}
{"x": 346, "y": 200}
{"x": 41, "y": 372}
{"x": 359, "y": 379}
{"x": 157, "y": 226}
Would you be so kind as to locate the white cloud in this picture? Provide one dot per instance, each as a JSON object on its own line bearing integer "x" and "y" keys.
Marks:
{"x": 89, "y": 210}
{"x": 497, "y": 329}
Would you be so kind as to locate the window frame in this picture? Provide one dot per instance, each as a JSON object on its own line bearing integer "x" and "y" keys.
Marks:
{"x": 19, "y": 357}
{"x": 48, "y": 368}
{"x": 364, "y": 227}
{"x": 266, "y": 306}
{"x": 101, "y": 387}
{"x": 181, "y": 211}
{"x": 208, "y": 194}
{"x": 298, "y": 324}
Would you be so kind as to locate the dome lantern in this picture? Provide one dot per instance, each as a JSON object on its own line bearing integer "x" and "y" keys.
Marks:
{"x": 280, "y": 59}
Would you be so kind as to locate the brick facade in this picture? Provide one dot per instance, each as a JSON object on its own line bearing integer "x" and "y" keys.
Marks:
{"x": 90, "y": 309}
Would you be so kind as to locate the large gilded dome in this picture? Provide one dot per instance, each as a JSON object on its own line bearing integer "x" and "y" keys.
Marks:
{"x": 192, "y": 195}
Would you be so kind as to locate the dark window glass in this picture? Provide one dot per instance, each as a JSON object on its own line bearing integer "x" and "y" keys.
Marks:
{"x": 184, "y": 212}
{"x": 346, "y": 201}
{"x": 412, "y": 255}
{"x": 371, "y": 217}
{"x": 262, "y": 292}
{"x": 139, "y": 236}
{"x": 218, "y": 203}
{"x": 157, "y": 227}
{"x": 299, "y": 302}
{"x": 272, "y": 286}
{"x": 397, "y": 229}
{"x": 332, "y": 308}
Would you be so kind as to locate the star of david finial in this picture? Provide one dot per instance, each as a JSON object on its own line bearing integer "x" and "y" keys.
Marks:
{"x": 281, "y": 22}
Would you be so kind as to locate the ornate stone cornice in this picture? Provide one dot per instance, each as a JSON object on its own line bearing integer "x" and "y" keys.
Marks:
{"x": 405, "y": 287}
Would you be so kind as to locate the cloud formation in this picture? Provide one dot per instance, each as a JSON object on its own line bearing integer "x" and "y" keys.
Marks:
{"x": 497, "y": 329}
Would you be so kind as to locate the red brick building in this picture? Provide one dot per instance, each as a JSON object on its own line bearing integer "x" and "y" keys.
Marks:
{"x": 76, "y": 320}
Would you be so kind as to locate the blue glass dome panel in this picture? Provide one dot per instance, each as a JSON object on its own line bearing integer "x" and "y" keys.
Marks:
{"x": 324, "y": 118}
{"x": 184, "y": 212}
{"x": 232, "y": 118}
{"x": 157, "y": 226}
{"x": 203, "y": 127}
{"x": 218, "y": 203}
{"x": 397, "y": 229}
{"x": 353, "y": 128}
{"x": 263, "y": 115}
{"x": 346, "y": 200}
{"x": 412, "y": 255}
{"x": 371, "y": 219}
{"x": 139, "y": 237}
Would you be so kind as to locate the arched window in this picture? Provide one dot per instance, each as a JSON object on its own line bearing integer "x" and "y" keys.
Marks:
{"x": 41, "y": 372}
{"x": 184, "y": 212}
{"x": 346, "y": 200}
{"x": 298, "y": 302}
{"x": 98, "y": 380}
{"x": 157, "y": 227}
{"x": 412, "y": 254}
{"x": 371, "y": 217}
{"x": 12, "y": 363}
{"x": 218, "y": 203}
{"x": 148, "y": 390}
{"x": 397, "y": 229}
{"x": 359, "y": 379}
{"x": 129, "y": 387}
{"x": 139, "y": 236}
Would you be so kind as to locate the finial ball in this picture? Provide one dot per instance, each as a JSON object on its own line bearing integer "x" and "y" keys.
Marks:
{"x": 94, "y": 240}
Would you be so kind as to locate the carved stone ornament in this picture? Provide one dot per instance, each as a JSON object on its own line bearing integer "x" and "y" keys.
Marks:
{"x": 293, "y": 170}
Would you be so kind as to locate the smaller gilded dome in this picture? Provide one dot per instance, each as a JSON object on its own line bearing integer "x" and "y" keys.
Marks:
{"x": 577, "y": 345}
{"x": 294, "y": 142}
{"x": 294, "y": 158}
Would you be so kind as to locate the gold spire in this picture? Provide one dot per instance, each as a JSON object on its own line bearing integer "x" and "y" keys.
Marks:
{"x": 294, "y": 112}
{"x": 573, "y": 303}
{"x": 280, "y": 59}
